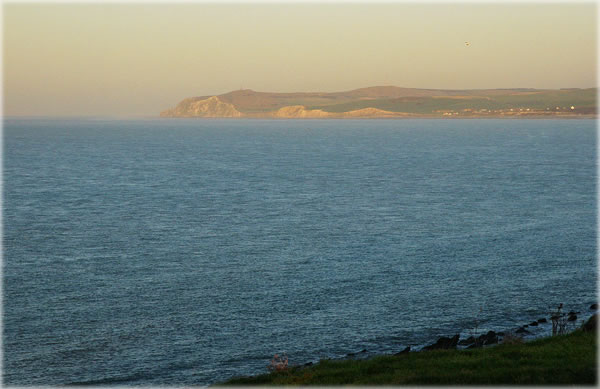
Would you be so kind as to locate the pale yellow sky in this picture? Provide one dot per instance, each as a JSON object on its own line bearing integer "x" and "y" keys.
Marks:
{"x": 138, "y": 59}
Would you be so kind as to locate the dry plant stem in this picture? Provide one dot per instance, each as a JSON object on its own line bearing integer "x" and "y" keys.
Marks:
{"x": 559, "y": 321}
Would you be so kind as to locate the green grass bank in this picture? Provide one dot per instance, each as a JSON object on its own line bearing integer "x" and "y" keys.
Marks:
{"x": 561, "y": 360}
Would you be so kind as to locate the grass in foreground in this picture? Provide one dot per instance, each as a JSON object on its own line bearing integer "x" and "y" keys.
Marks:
{"x": 560, "y": 360}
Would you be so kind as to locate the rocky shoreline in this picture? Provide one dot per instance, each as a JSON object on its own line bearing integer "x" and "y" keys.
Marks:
{"x": 491, "y": 338}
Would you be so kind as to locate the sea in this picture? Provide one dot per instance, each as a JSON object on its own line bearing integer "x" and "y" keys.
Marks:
{"x": 178, "y": 252}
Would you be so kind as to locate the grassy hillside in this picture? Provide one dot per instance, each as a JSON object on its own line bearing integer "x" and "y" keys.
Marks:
{"x": 580, "y": 98}
{"x": 561, "y": 360}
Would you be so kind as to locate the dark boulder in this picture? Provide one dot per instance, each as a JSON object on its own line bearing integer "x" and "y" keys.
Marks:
{"x": 533, "y": 323}
{"x": 485, "y": 339}
{"x": 522, "y": 330}
{"x": 542, "y": 320}
{"x": 572, "y": 317}
{"x": 594, "y": 306}
{"x": 443, "y": 343}
{"x": 592, "y": 324}
{"x": 490, "y": 338}
{"x": 405, "y": 351}
{"x": 468, "y": 341}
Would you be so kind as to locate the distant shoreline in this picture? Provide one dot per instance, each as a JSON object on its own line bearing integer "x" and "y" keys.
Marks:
{"x": 392, "y": 102}
{"x": 528, "y": 117}
{"x": 154, "y": 117}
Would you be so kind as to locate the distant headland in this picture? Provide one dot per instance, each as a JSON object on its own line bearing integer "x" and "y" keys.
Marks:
{"x": 393, "y": 102}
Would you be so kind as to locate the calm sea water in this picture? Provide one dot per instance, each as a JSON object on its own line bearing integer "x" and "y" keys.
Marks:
{"x": 185, "y": 252}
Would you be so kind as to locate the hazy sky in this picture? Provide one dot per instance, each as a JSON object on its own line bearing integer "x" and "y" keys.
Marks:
{"x": 138, "y": 59}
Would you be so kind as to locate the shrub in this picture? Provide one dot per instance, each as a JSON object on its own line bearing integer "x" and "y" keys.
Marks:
{"x": 474, "y": 332}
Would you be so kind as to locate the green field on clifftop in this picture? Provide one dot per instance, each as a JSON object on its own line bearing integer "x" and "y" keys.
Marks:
{"x": 579, "y": 98}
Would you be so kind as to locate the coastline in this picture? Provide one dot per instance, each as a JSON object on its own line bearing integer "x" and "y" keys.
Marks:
{"x": 510, "y": 117}
{"x": 392, "y": 102}
{"x": 459, "y": 342}
{"x": 532, "y": 330}
{"x": 569, "y": 359}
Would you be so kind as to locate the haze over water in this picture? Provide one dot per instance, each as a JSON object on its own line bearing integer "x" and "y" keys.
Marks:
{"x": 185, "y": 252}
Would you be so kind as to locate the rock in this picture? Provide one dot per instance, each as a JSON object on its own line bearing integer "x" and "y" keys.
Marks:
{"x": 308, "y": 364}
{"x": 490, "y": 338}
{"x": 405, "y": 351}
{"x": 465, "y": 342}
{"x": 526, "y": 325}
{"x": 533, "y": 323}
{"x": 443, "y": 343}
{"x": 522, "y": 330}
{"x": 592, "y": 324}
{"x": 487, "y": 342}
{"x": 572, "y": 317}
{"x": 542, "y": 320}
{"x": 364, "y": 350}
{"x": 500, "y": 333}
{"x": 594, "y": 306}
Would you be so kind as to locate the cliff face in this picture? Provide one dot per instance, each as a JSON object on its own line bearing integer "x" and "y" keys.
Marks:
{"x": 299, "y": 111}
{"x": 372, "y": 113}
{"x": 212, "y": 107}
